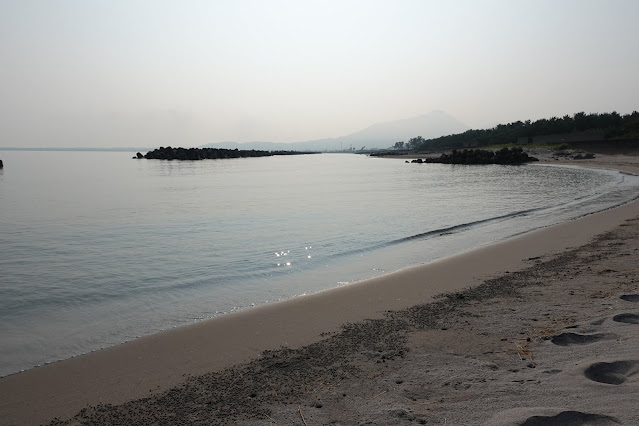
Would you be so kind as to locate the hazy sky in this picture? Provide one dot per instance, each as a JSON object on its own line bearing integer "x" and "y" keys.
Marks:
{"x": 184, "y": 73}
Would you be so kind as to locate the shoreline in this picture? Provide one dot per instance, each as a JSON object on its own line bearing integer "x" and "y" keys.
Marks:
{"x": 154, "y": 364}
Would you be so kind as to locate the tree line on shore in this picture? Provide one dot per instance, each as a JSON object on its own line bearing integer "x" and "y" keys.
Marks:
{"x": 611, "y": 125}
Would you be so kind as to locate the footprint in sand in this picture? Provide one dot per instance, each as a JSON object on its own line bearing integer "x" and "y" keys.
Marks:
{"x": 630, "y": 297}
{"x": 549, "y": 416}
{"x": 572, "y": 418}
{"x": 567, "y": 339}
{"x": 613, "y": 373}
{"x": 626, "y": 318}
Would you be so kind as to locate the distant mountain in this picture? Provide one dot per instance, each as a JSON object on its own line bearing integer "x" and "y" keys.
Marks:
{"x": 384, "y": 135}
{"x": 381, "y": 135}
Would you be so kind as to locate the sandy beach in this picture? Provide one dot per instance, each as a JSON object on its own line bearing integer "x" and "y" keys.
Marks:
{"x": 539, "y": 329}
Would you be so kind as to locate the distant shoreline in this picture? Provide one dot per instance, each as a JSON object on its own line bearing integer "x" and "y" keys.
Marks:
{"x": 76, "y": 149}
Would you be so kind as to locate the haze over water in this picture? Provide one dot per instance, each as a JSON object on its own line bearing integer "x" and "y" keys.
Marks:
{"x": 148, "y": 73}
{"x": 97, "y": 249}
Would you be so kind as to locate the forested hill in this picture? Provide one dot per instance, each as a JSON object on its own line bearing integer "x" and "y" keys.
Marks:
{"x": 601, "y": 126}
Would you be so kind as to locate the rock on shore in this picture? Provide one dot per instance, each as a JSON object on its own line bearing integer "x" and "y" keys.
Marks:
{"x": 170, "y": 153}
{"x": 479, "y": 156}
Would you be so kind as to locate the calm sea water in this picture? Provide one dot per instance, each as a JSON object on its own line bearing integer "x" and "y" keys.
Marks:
{"x": 97, "y": 248}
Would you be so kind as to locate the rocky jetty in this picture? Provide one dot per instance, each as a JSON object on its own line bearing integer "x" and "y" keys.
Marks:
{"x": 479, "y": 156}
{"x": 169, "y": 153}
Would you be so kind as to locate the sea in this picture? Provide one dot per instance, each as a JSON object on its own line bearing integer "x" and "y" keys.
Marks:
{"x": 97, "y": 248}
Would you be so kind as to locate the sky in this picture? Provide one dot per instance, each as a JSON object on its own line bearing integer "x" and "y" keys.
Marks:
{"x": 147, "y": 73}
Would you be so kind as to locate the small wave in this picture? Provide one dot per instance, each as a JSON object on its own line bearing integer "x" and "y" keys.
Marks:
{"x": 440, "y": 231}
{"x": 597, "y": 201}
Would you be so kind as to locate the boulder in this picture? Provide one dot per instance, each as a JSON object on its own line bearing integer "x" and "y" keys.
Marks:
{"x": 479, "y": 156}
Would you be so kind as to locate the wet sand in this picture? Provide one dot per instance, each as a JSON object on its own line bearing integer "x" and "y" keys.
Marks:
{"x": 340, "y": 356}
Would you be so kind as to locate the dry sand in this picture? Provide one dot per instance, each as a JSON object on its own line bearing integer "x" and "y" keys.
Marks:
{"x": 535, "y": 337}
